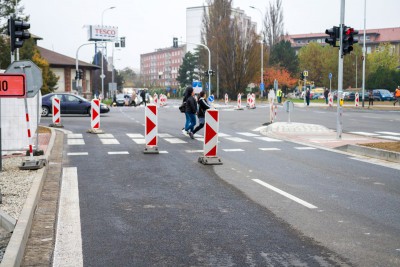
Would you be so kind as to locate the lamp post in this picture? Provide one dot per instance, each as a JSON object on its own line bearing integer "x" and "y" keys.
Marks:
{"x": 262, "y": 48}
{"x": 363, "y": 57}
{"x": 102, "y": 76}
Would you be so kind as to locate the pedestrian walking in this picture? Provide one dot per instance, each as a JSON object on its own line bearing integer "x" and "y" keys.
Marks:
{"x": 279, "y": 95}
{"x": 186, "y": 95}
{"x": 133, "y": 98}
{"x": 308, "y": 96}
{"x": 397, "y": 95}
{"x": 370, "y": 98}
{"x": 191, "y": 109}
{"x": 326, "y": 95}
{"x": 201, "y": 113}
{"x": 143, "y": 96}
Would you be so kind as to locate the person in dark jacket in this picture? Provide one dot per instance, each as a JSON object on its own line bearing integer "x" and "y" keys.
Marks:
{"x": 191, "y": 109}
{"x": 308, "y": 96}
{"x": 326, "y": 95}
{"x": 203, "y": 106}
{"x": 143, "y": 96}
{"x": 185, "y": 97}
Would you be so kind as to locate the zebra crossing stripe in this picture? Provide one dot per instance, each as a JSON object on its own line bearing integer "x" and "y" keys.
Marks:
{"x": 269, "y": 149}
{"x": 118, "y": 153}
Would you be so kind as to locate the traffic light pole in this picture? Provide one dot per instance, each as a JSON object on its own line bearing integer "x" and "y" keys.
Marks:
{"x": 77, "y": 63}
{"x": 339, "y": 119}
{"x": 363, "y": 57}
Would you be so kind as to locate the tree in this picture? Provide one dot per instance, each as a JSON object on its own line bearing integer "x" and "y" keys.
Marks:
{"x": 49, "y": 78}
{"x": 283, "y": 56}
{"x": 273, "y": 23}
{"x": 233, "y": 45}
{"x": 311, "y": 58}
{"x": 7, "y": 8}
{"x": 186, "y": 72}
{"x": 285, "y": 80}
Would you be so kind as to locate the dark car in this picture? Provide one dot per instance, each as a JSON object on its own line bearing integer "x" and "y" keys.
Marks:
{"x": 352, "y": 96}
{"x": 123, "y": 100}
{"x": 69, "y": 104}
{"x": 382, "y": 95}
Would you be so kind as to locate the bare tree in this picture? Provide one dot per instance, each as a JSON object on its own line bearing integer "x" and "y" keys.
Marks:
{"x": 273, "y": 22}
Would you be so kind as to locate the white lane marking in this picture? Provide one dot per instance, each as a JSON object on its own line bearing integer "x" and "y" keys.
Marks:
{"x": 248, "y": 134}
{"x": 135, "y": 135}
{"x": 233, "y": 150}
{"x": 268, "y": 139}
{"x": 175, "y": 141}
{"x": 389, "y": 133}
{"x": 223, "y": 135}
{"x": 164, "y": 135}
{"x": 139, "y": 141}
{"x": 259, "y": 128}
{"x": 304, "y": 148}
{"x": 77, "y": 154}
{"x": 269, "y": 149}
{"x": 201, "y": 139}
{"x": 285, "y": 194}
{"x": 389, "y": 137}
{"x": 74, "y": 136}
{"x": 109, "y": 141}
{"x": 194, "y": 151}
{"x": 76, "y": 142}
{"x": 163, "y": 152}
{"x": 105, "y": 136}
{"x": 237, "y": 139}
{"x": 118, "y": 153}
{"x": 364, "y": 133}
{"x": 68, "y": 243}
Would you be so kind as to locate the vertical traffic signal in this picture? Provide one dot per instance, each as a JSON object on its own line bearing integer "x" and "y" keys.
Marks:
{"x": 301, "y": 76}
{"x": 334, "y": 36}
{"x": 17, "y": 33}
{"x": 175, "y": 42}
{"x": 122, "y": 41}
{"x": 348, "y": 39}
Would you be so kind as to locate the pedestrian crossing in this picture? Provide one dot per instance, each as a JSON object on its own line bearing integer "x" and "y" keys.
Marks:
{"x": 139, "y": 139}
{"x": 380, "y": 134}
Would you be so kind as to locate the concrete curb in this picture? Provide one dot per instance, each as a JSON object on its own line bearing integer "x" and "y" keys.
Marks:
{"x": 372, "y": 152}
{"x": 16, "y": 247}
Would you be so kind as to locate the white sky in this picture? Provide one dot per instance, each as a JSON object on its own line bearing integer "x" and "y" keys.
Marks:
{"x": 151, "y": 24}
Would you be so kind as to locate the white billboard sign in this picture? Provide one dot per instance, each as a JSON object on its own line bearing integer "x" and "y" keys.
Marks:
{"x": 102, "y": 33}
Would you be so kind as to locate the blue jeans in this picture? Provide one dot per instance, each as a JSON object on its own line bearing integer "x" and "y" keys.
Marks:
{"x": 190, "y": 121}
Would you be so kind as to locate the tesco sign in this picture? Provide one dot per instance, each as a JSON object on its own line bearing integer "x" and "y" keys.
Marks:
{"x": 102, "y": 33}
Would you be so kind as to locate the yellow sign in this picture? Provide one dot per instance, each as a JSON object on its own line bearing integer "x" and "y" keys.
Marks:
{"x": 305, "y": 73}
{"x": 341, "y": 102}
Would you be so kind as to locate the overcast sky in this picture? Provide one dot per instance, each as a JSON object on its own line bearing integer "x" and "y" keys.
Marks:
{"x": 151, "y": 24}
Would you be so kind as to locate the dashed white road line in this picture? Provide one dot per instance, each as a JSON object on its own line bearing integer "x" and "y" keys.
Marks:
{"x": 77, "y": 154}
{"x": 175, "y": 141}
{"x": 68, "y": 243}
{"x": 248, "y": 134}
{"x": 118, "y": 153}
{"x": 76, "y": 142}
{"x": 233, "y": 150}
{"x": 285, "y": 194}
{"x": 139, "y": 141}
{"x": 109, "y": 141}
{"x": 237, "y": 139}
{"x": 105, "y": 136}
{"x": 74, "y": 136}
{"x": 304, "y": 148}
{"x": 268, "y": 139}
{"x": 194, "y": 151}
{"x": 269, "y": 149}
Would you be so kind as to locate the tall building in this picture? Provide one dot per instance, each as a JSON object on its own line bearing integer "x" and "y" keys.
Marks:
{"x": 160, "y": 68}
{"x": 374, "y": 37}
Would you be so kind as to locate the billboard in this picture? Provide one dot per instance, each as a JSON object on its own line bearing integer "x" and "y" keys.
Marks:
{"x": 102, "y": 33}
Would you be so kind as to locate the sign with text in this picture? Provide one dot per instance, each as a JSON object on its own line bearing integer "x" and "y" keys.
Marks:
{"x": 102, "y": 33}
{"x": 12, "y": 85}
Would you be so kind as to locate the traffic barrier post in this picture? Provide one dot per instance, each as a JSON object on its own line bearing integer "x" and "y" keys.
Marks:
{"x": 56, "y": 112}
{"x": 357, "y": 99}
{"x": 95, "y": 117}
{"x": 155, "y": 99}
{"x": 330, "y": 99}
{"x": 151, "y": 129}
{"x": 163, "y": 100}
{"x": 239, "y": 102}
{"x": 211, "y": 139}
{"x": 226, "y": 99}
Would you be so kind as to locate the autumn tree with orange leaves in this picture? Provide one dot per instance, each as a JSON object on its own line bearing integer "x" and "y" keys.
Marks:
{"x": 285, "y": 80}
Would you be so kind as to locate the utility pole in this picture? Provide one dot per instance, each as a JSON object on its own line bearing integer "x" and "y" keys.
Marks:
{"x": 339, "y": 119}
{"x": 363, "y": 57}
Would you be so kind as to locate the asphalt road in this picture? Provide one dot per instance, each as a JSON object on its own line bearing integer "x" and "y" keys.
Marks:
{"x": 270, "y": 203}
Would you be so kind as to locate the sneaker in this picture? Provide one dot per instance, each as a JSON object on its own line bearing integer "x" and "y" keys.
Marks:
{"x": 191, "y": 135}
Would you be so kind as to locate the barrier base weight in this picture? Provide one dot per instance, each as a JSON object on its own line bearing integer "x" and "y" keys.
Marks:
{"x": 210, "y": 160}
{"x": 238, "y": 108}
{"x": 33, "y": 164}
{"x": 151, "y": 150}
{"x": 95, "y": 131}
{"x": 35, "y": 153}
{"x": 56, "y": 125}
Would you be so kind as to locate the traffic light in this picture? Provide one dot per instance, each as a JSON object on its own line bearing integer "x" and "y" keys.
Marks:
{"x": 79, "y": 74}
{"x": 122, "y": 41}
{"x": 17, "y": 33}
{"x": 334, "y": 36}
{"x": 301, "y": 76}
{"x": 348, "y": 39}
{"x": 175, "y": 42}
{"x": 211, "y": 72}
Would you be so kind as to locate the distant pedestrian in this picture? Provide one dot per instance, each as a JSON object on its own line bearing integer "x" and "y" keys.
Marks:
{"x": 133, "y": 98}
{"x": 143, "y": 96}
{"x": 397, "y": 95}
{"x": 201, "y": 113}
{"x": 186, "y": 95}
{"x": 191, "y": 109}
{"x": 326, "y": 95}
{"x": 279, "y": 95}
{"x": 370, "y": 98}
{"x": 308, "y": 96}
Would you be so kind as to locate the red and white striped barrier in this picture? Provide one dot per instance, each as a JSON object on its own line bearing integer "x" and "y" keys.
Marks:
{"x": 251, "y": 99}
{"x": 163, "y": 100}
{"x": 211, "y": 138}
{"x": 239, "y": 102}
{"x": 357, "y": 100}
{"x": 155, "y": 99}
{"x": 151, "y": 129}
{"x": 330, "y": 99}
{"x": 226, "y": 99}
{"x": 95, "y": 117}
{"x": 56, "y": 108}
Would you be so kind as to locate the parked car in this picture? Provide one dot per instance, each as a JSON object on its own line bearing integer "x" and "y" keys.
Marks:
{"x": 69, "y": 104}
{"x": 123, "y": 100}
{"x": 382, "y": 95}
{"x": 352, "y": 96}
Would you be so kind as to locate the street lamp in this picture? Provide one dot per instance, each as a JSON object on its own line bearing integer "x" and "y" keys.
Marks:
{"x": 102, "y": 76}
{"x": 363, "y": 57}
{"x": 262, "y": 49}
